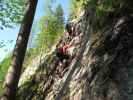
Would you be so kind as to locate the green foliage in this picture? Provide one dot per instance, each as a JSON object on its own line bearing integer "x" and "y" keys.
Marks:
{"x": 11, "y": 11}
{"x": 75, "y": 6}
{"x": 3, "y": 70}
{"x": 99, "y": 7}
{"x": 51, "y": 27}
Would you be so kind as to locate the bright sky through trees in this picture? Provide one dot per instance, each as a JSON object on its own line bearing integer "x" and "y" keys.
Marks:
{"x": 11, "y": 34}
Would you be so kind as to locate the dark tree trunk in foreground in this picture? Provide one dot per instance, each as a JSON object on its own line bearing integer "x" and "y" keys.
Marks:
{"x": 12, "y": 78}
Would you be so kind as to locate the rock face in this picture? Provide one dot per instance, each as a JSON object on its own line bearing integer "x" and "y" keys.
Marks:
{"x": 102, "y": 68}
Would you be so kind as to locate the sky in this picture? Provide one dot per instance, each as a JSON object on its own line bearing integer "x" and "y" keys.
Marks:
{"x": 9, "y": 35}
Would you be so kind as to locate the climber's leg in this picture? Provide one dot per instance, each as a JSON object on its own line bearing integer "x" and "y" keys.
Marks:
{"x": 60, "y": 56}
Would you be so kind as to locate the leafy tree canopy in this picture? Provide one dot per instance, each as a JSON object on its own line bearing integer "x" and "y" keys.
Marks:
{"x": 51, "y": 27}
{"x": 11, "y": 11}
{"x": 4, "y": 65}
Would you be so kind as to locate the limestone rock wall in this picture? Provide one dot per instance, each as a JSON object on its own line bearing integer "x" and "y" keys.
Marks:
{"x": 102, "y": 68}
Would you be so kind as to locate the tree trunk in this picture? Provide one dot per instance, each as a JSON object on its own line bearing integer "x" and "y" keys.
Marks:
{"x": 12, "y": 78}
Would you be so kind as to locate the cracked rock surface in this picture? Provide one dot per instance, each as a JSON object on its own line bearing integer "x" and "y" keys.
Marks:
{"x": 101, "y": 70}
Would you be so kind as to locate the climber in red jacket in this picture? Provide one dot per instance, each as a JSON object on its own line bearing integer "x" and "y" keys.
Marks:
{"x": 62, "y": 52}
